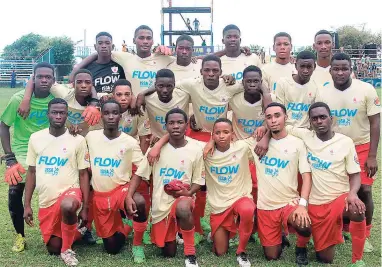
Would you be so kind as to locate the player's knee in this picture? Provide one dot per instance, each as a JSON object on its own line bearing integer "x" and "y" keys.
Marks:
{"x": 246, "y": 212}
{"x": 183, "y": 210}
{"x": 139, "y": 201}
{"x": 54, "y": 245}
{"x": 324, "y": 258}
{"x": 272, "y": 255}
{"x": 304, "y": 231}
{"x": 354, "y": 215}
{"x": 112, "y": 246}
{"x": 365, "y": 192}
{"x": 220, "y": 251}
{"x": 69, "y": 206}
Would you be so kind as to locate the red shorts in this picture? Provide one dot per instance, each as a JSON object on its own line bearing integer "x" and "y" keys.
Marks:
{"x": 270, "y": 224}
{"x": 228, "y": 218}
{"x": 327, "y": 223}
{"x": 200, "y": 136}
{"x": 50, "y": 218}
{"x": 165, "y": 230}
{"x": 106, "y": 206}
{"x": 363, "y": 153}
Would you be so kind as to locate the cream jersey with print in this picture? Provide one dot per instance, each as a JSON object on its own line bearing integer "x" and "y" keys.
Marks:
{"x": 351, "y": 108}
{"x": 135, "y": 125}
{"x": 331, "y": 161}
{"x": 184, "y": 164}
{"x": 228, "y": 177}
{"x": 209, "y": 105}
{"x": 235, "y": 65}
{"x": 57, "y": 161}
{"x": 297, "y": 99}
{"x": 273, "y": 71}
{"x": 277, "y": 172}
{"x": 157, "y": 110}
{"x": 185, "y": 72}
{"x": 141, "y": 72}
{"x": 322, "y": 76}
{"x": 111, "y": 160}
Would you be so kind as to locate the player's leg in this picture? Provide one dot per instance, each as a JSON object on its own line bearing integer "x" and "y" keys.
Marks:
{"x": 114, "y": 243}
{"x": 88, "y": 236}
{"x": 169, "y": 249}
{"x": 357, "y": 229}
{"x": 54, "y": 245}
{"x": 269, "y": 224}
{"x": 365, "y": 195}
{"x": 144, "y": 190}
{"x": 16, "y": 210}
{"x": 220, "y": 241}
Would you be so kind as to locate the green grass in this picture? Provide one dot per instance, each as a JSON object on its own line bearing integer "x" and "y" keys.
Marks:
{"x": 36, "y": 254}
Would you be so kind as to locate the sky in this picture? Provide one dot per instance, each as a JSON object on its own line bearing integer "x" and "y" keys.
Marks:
{"x": 258, "y": 20}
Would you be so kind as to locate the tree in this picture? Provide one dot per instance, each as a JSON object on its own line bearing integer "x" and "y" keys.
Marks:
{"x": 63, "y": 51}
{"x": 351, "y": 37}
{"x": 26, "y": 47}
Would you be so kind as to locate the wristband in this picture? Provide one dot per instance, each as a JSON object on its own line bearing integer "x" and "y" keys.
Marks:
{"x": 303, "y": 202}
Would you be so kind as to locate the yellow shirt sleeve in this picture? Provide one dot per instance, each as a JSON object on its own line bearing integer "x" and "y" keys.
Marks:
{"x": 121, "y": 58}
{"x": 137, "y": 155}
{"x": 235, "y": 88}
{"x": 373, "y": 105}
{"x": 31, "y": 155}
{"x": 352, "y": 163}
{"x": 298, "y": 132}
{"x": 61, "y": 91}
{"x": 83, "y": 157}
{"x": 144, "y": 170}
{"x": 303, "y": 164}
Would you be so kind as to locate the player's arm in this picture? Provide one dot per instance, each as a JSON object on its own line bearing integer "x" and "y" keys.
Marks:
{"x": 82, "y": 65}
{"x": 5, "y": 138}
{"x": 371, "y": 164}
{"x": 153, "y": 154}
{"x": 30, "y": 185}
{"x": 85, "y": 190}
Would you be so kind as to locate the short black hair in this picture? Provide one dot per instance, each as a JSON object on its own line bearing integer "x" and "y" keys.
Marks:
{"x": 322, "y": 32}
{"x": 212, "y": 58}
{"x": 340, "y": 56}
{"x": 83, "y": 71}
{"x": 306, "y": 55}
{"x": 57, "y": 101}
{"x": 282, "y": 34}
{"x": 230, "y": 27}
{"x": 184, "y": 37}
{"x": 252, "y": 68}
{"x": 176, "y": 111}
{"x": 142, "y": 27}
{"x": 223, "y": 120}
{"x": 111, "y": 101}
{"x": 43, "y": 65}
{"x": 319, "y": 105}
{"x": 104, "y": 34}
{"x": 121, "y": 82}
{"x": 275, "y": 104}
{"x": 165, "y": 73}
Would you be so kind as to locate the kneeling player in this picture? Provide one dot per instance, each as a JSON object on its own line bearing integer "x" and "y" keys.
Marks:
{"x": 58, "y": 165}
{"x": 112, "y": 154}
{"x": 177, "y": 176}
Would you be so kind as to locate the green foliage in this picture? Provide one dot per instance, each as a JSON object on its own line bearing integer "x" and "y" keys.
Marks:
{"x": 63, "y": 51}
{"x": 26, "y": 47}
{"x": 351, "y": 37}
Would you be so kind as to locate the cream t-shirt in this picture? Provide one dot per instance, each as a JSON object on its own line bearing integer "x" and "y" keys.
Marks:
{"x": 135, "y": 125}
{"x": 273, "y": 71}
{"x": 185, "y": 72}
{"x": 235, "y": 65}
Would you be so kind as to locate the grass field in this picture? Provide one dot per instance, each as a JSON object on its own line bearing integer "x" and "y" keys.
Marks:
{"x": 36, "y": 254}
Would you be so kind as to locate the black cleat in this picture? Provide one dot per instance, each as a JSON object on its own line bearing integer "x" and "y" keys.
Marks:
{"x": 88, "y": 238}
{"x": 301, "y": 256}
{"x": 284, "y": 241}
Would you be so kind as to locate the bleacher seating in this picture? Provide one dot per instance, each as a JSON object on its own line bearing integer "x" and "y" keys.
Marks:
{"x": 23, "y": 69}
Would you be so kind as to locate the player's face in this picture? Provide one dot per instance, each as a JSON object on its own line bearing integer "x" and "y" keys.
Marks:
{"x": 305, "y": 68}
{"x": 275, "y": 119}
{"x": 323, "y": 44}
{"x": 122, "y": 94}
{"x": 252, "y": 82}
{"x": 43, "y": 79}
{"x": 320, "y": 120}
{"x": 184, "y": 49}
{"x": 211, "y": 72}
{"x": 232, "y": 40}
{"x": 222, "y": 134}
{"x": 57, "y": 115}
{"x": 144, "y": 40}
{"x": 340, "y": 71}
{"x": 104, "y": 45}
{"x": 165, "y": 87}
{"x": 282, "y": 47}
{"x": 176, "y": 125}
{"x": 111, "y": 115}
{"x": 84, "y": 84}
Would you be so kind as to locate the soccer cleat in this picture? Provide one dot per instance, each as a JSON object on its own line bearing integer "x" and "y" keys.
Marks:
{"x": 146, "y": 238}
{"x": 256, "y": 238}
{"x": 198, "y": 238}
{"x": 359, "y": 263}
{"x": 69, "y": 257}
{"x": 88, "y": 238}
{"x": 242, "y": 259}
{"x": 284, "y": 241}
{"x": 301, "y": 256}
{"x": 19, "y": 244}
{"x": 233, "y": 242}
{"x": 205, "y": 225}
{"x": 139, "y": 254}
{"x": 347, "y": 236}
{"x": 368, "y": 248}
{"x": 179, "y": 239}
{"x": 190, "y": 261}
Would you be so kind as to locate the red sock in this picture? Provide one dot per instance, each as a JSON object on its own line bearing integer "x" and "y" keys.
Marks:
{"x": 90, "y": 213}
{"x": 198, "y": 226}
{"x": 246, "y": 210}
{"x": 345, "y": 228}
{"x": 139, "y": 229}
{"x": 302, "y": 241}
{"x": 189, "y": 243}
{"x": 357, "y": 232}
{"x": 68, "y": 233}
{"x": 368, "y": 229}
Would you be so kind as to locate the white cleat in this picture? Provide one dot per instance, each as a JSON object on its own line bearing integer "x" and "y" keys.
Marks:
{"x": 69, "y": 257}
{"x": 191, "y": 261}
{"x": 243, "y": 261}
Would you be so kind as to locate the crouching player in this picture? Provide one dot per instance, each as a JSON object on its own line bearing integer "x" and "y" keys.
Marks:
{"x": 177, "y": 176}
{"x": 112, "y": 154}
{"x": 58, "y": 165}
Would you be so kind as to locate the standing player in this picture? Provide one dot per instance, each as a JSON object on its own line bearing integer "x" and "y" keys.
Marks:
{"x": 323, "y": 44}
{"x": 58, "y": 163}
{"x": 15, "y": 155}
{"x": 112, "y": 154}
{"x": 181, "y": 162}
{"x": 356, "y": 108}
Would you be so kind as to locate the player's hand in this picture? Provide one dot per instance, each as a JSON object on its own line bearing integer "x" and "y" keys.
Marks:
{"x": 261, "y": 147}
{"x": 134, "y": 111}
{"x": 154, "y": 153}
{"x": 228, "y": 79}
{"x": 131, "y": 207}
{"x": 91, "y": 115}
{"x": 24, "y": 109}
{"x": 246, "y": 50}
{"x": 139, "y": 102}
{"x": 163, "y": 50}
{"x": 105, "y": 98}
{"x": 83, "y": 217}
{"x": 260, "y": 132}
{"x": 301, "y": 217}
{"x": 181, "y": 193}
{"x": 28, "y": 216}
{"x": 371, "y": 166}
{"x": 209, "y": 148}
{"x": 352, "y": 200}
{"x": 13, "y": 173}
{"x": 74, "y": 129}
{"x": 193, "y": 125}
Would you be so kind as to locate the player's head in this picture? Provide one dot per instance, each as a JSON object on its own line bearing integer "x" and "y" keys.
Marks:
{"x": 43, "y": 74}
{"x": 83, "y": 82}
{"x": 176, "y": 123}
{"x": 275, "y": 117}
{"x": 165, "y": 84}
{"x": 231, "y": 37}
{"x": 320, "y": 118}
{"x": 122, "y": 93}
{"x": 340, "y": 68}
{"x": 282, "y": 45}
{"x": 184, "y": 47}
{"x": 57, "y": 112}
{"x": 305, "y": 65}
{"x": 104, "y": 44}
{"x": 323, "y": 43}
{"x": 111, "y": 114}
{"x": 143, "y": 39}
{"x": 252, "y": 77}
{"x": 222, "y": 133}
{"x": 211, "y": 71}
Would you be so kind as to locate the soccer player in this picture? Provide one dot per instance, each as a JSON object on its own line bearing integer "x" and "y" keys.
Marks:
{"x": 336, "y": 181}
{"x": 112, "y": 154}
{"x": 180, "y": 161}
{"x": 15, "y": 155}
{"x": 323, "y": 44}
{"x": 58, "y": 163}
{"x": 356, "y": 109}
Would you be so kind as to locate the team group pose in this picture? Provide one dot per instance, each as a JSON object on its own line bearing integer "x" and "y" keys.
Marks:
{"x": 140, "y": 144}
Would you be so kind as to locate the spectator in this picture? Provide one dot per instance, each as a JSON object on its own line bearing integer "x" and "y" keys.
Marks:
{"x": 196, "y": 24}
{"x": 13, "y": 79}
